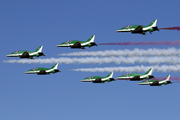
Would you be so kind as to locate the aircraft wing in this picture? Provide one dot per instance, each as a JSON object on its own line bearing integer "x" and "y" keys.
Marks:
{"x": 76, "y": 45}
{"x": 155, "y": 28}
{"x": 93, "y": 44}
{"x": 42, "y": 72}
{"x": 155, "y": 83}
{"x": 139, "y": 29}
{"x": 25, "y": 55}
{"x": 135, "y": 78}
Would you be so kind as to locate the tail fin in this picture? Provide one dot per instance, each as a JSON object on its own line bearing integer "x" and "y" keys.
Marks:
{"x": 149, "y": 72}
{"x": 153, "y": 23}
{"x": 167, "y": 78}
{"x": 39, "y": 49}
{"x": 55, "y": 66}
{"x": 110, "y": 75}
{"x": 91, "y": 39}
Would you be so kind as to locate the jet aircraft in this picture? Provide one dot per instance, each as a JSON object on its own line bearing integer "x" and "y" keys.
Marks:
{"x": 137, "y": 77}
{"x": 44, "y": 71}
{"x": 156, "y": 82}
{"x": 98, "y": 79}
{"x": 27, "y": 54}
{"x": 140, "y": 29}
{"x": 79, "y": 44}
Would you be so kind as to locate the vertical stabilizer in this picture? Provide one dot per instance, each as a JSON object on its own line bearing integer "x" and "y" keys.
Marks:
{"x": 167, "y": 78}
{"x": 55, "y": 66}
{"x": 91, "y": 39}
{"x": 149, "y": 72}
{"x": 39, "y": 49}
{"x": 110, "y": 75}
{"x": 153, "y": 23}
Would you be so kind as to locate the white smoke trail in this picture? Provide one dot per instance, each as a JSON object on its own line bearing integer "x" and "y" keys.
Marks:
{"x": 163, "y": 68}
{"x": 101, "y": 60}
{"x": 126, "y": 52}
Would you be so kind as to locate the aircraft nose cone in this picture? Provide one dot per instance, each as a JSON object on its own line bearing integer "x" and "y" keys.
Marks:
{"x": 27, "y": 72}
{"x": 119, "y": 30}
{"x": 83, "y": 80}
{"x": 8, "y": 55}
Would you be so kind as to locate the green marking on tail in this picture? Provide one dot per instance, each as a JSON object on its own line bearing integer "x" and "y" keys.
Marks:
{"x": 90, "y": 38}
{"x": 152, "y": 23}
{"x": 54, "y": 65}
{"x": 148, "y": 71}
{"x": 38, "y": 48}
{"x": 109, "y": 74}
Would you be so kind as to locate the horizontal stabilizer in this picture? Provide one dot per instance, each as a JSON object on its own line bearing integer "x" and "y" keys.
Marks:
{"x": 151, "y": 76}
{"x": 41, "y": 54}
{"x": 155, "y": 28}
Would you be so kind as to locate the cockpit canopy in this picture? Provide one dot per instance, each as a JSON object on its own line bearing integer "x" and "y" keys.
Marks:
{"x": 67, "y": 41}
{"x": 16, "y": 51}
{"x": 126, "y": 74}
{"x": 89, "y": 77}
{"x": 128, "y": 26}
{"x": 34, "y": 68}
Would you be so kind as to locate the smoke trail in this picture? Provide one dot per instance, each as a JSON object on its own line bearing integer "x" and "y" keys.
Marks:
{"x": 101, "y": 60}
{"x": 171, "y": 28}
{"x": 163, "y": 68}
{"x": 177, "y": 42}
{"x": 126, "y": 52}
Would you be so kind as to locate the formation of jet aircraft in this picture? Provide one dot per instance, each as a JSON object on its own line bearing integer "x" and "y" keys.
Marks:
{"x": 140, "y": 29}
{"x": 79, "y": 44}
{"x": 89, "y": 43}
{"x": 156, "y": 82}
{"x": 27, "y": 54}
{"x": 98, "y": 79}
{"x": 44, "y": 71}
{"x": 136, "y": 76}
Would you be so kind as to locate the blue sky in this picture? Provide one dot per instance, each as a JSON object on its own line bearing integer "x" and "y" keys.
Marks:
{"x": 25, "y": 25}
